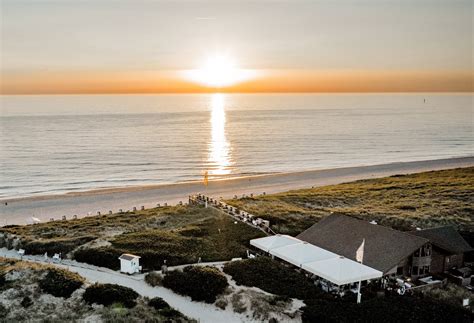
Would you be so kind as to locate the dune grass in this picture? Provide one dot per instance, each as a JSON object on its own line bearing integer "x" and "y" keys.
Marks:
{"x": 424, "y": 200}
{"x": 183, "y": 234}
{"x": 178, "y": 234}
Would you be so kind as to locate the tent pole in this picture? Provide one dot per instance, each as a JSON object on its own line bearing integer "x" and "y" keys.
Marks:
{"x": 358, "y": 293}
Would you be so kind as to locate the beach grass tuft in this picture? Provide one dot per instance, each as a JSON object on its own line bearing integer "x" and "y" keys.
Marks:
{"x": 403, "y": 202}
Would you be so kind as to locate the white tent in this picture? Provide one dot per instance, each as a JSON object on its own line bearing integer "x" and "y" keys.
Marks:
{"x": 268, "y": 243}
{"x": 316, "y": 260}
{"x": 341, "y": 271}
{"x": 299, "y": 254}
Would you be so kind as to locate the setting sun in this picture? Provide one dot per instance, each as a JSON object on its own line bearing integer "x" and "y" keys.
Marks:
{"x": 219, "y": 71}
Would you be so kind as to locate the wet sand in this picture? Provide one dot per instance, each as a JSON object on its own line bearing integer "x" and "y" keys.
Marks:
{"x": 20, "y": 211}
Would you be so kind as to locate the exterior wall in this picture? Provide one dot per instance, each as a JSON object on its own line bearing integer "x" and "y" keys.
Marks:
{"x": 437, "y": 261}
{"x": 443, "y": 261}
{"x": 392, "y": 271}
{"x": 129, "y": 267}
{"x": 454, "y": 261}
{"x": 125, "y": 266}
{"x": 401, "y": 269}
{"x": 421, "y": 262}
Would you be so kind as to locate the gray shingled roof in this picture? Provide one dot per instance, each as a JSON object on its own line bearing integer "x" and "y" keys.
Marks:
{"x": 446, "y": 238}
{"x": 384, "y": 247}
{"x": 127, "y": 256}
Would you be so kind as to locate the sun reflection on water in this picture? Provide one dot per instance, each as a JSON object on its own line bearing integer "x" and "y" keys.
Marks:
{"x": 219, "y": 158}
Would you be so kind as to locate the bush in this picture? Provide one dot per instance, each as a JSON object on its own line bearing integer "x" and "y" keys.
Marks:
{"x": 158, "y": 303}
{"x": 388, "y": 309}
{"x": 102, "y": 257}
{"x": 238, "y": 304}
{"x": 154, "y": 279}
{"x": 107, "y": 294}
{"x": 26, "y": 302}
{"x": 273, "y": 277}
{"x": 170, "y": 313}
{"x": 60, "y": 283}
{"x": 200, "y": 283}
{"x": 449, "y": 294}
{"x": 52, "y": 246}
{"x": 222, "y": 303}
{"x": 3, "y": 311}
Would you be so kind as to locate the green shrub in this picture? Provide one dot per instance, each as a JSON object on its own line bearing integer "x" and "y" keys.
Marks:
{"x": 170, "y": 313}
{"x": 3, "y": 311}
{"x": 107, "y": 294}
{"x": 60, "y": 282}
{"x": 200, "y": 283}
{"x": 102, "y": 257}
{"x": 387, "y": 309}
{"x": 26, "y": 302}
{"x": 158, "y": 303}
{"x": 221, "y": 303}
{"x": 238, "y": 304}
{"x": 51, "y": 246}
{"x": 154, "y": 279}
{"x": 273, "y": 277}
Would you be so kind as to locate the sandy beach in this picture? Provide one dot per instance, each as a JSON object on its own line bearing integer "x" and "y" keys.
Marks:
{"x": 20, "y": 211}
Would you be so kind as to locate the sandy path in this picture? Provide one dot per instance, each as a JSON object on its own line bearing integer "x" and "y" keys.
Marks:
{"x": 196, "y": 310}
{"x": 20, "y": 211}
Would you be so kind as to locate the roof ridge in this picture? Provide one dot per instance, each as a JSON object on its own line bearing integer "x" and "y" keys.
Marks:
{"x": 439, "y": 227}
{"x": 383, "y": 227}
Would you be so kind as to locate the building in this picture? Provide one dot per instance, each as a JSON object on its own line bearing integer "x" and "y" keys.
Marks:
{"x": 411, "y": 254}
{"x": 387, "y": 250}
{"x": 130, "y": 264}
{"x": 448, "y": 246}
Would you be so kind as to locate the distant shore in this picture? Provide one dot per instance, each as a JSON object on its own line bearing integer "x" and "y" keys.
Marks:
{"x": 20, "y": 210}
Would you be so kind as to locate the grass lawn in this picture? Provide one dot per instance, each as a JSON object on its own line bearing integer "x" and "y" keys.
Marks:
{"x": 424, "y": 200}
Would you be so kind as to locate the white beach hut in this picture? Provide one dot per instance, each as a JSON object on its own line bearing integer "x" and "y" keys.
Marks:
{"x": 129, "y": 264}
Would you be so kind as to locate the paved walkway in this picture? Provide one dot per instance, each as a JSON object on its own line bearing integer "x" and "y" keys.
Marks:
{"x": 196, "y": 310}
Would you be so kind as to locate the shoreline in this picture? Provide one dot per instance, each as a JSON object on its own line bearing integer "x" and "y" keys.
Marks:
{"x": 20, "y": 210}
{"x": 137, "y": 188}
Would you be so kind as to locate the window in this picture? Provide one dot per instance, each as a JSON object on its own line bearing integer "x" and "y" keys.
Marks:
{"x": 400, "y": 271}
{"x": 414, "y": 270}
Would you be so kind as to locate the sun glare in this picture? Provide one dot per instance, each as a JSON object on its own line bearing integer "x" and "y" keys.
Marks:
{"x": 219, "y": 159}
{"x": 219, "y": 71}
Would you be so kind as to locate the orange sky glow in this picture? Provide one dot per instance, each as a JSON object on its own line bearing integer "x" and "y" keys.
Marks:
{"x": 265, "y": 81}
{"x": 235, "y": 46}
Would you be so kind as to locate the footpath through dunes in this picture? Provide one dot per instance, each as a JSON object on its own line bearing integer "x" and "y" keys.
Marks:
{"x": 197, "y": 310}
{"x": 21, "y": 211}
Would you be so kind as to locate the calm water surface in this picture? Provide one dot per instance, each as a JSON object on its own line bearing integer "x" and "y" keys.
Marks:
{"x": 58, "y": 144}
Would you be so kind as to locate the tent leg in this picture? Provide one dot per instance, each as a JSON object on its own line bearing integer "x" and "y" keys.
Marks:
{"x": 358, "y": 294}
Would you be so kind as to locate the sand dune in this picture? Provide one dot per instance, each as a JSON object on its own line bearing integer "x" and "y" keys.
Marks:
{"x": 20, "y": 211}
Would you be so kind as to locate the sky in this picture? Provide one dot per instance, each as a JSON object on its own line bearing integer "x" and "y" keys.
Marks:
{"x": 106, "y": 46}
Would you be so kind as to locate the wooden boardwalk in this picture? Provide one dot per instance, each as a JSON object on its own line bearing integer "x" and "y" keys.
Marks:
{"x": 233, "y": 212}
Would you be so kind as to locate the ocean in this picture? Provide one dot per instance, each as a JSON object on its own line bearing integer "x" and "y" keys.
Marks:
{"x": 54, "y": 144}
